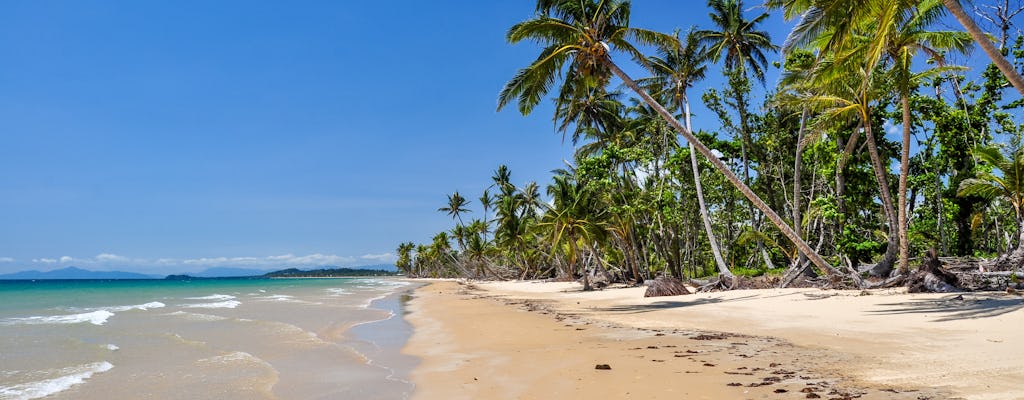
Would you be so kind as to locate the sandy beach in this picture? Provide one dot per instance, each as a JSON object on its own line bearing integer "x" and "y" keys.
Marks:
{"x": 532, "y": 340}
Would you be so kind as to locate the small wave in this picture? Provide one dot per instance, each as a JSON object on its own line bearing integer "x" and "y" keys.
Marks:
{"x": 213, "y": 297}
{"x": 98, "y": 317}
{"x": 112, "y": 347}
{"x": 219, "y": 304}
{"x": 337, "y": 291}
{"x": 235, "y": 357}
{"x": 374, "y": 283}
{"x": 369, "y": 302}
{"x": 70, "y": 377}
{"x": 284, "y": 299}
{"x": 196, "y": 316}
{"x": 142, "y": 307}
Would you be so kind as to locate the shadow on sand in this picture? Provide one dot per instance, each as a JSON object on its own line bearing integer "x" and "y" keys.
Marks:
{"x": 662, "y": 305}
{"x": 956, "y": 307}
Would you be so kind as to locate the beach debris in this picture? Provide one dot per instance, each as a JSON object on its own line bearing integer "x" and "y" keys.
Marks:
{"x": 712, "y": 336}
{"x": 665, "y": 286}
{"x": 781, "y": 391}
{"x": 603, "y": 367}
{"x": 931, "y": 277}
{"x": 813, "y": 396}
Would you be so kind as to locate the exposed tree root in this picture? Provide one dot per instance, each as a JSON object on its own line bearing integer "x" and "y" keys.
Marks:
{"x": 665, "y": 286}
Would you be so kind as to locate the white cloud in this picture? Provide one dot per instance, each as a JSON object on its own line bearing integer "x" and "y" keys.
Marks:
{"x": 111, "y": 258}
{"x": 272, "y": 261}
{"x": 383, "y": 257}
{"x": 6, "y": 260}
{"x": 176, "y": 265}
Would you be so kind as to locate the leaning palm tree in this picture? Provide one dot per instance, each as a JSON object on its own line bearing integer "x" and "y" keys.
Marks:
{"x": 1009, "y": 186}
{"x": 983, "y": 40}
{"x": 579, "y": 37}
{"x": 675, "y": 69}
{"x": 456, "y": 206}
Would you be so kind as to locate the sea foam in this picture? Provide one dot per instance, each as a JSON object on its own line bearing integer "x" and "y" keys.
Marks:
{"x": 70, "y": 377}
{"x": 213, "y": 297}
{"x": 219, "y": 304}
{"x": 98, "y": 317}
{"x": 142, "y": 307}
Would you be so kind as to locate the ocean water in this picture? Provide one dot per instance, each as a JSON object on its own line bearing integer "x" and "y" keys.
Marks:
{"x": 204, "y": 339}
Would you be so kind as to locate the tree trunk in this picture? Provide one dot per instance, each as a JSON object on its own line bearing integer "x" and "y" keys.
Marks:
{"x": 851, "y": 144}
{"x": 997, "y": 58}
{"x": 798, "y": 182}
{"x": 904, "y": 171}
{"x": 749, "y": 194}
{"x": 884, "y": 267}
{"x": 715, "y": 250}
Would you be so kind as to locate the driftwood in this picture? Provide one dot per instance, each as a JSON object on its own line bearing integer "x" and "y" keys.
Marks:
{"x": 665, "y": 286}
{"x": 931, "y": 277}
{"x": 1001, "y": 280}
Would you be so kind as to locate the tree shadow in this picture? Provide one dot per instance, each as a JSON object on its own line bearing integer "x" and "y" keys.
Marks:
{"x": 956, "y": 307}
{"x": 664, "y": 305}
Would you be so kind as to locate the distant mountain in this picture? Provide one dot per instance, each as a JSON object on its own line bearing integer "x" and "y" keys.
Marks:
{"x": 76, "y": 273}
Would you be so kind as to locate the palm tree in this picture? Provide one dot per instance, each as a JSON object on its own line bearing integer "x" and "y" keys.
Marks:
{"x": 573, "y": 218}
{"x": 737, "y": 39}
{"x": 503, "y": 180}
{"x": 901, "y": 44}
{"x": 743, "y": 48}
{"x": 404, "y": 262}
{"x": 896, "y": 29}
{"x": 1009, "y": 186}
{"x": 986, "y": 44}
{"x": 675, "y": 70}
{"x": 578, "y": 37}
{"x": 456, "y": 206}
{"x": 486, "y": 201}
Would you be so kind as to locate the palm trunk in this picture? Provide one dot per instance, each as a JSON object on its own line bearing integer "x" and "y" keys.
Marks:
{"x": 904, "y": 171}
{"x": 721, "y": 167}
{"x": 797, "y": 179}
{"x": 997, "y": 58}
{"x": 884, "y": 267}
{"x": 723, "y": 269}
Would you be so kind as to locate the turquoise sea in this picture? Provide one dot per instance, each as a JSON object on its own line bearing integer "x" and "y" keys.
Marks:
{"x": 204, "y": 339}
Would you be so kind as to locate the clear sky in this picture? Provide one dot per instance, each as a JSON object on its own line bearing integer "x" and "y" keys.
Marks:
{"x": 173, "y": 136}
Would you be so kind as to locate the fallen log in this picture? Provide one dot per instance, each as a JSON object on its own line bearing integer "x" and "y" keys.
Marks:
{"x": 994, "y": 281}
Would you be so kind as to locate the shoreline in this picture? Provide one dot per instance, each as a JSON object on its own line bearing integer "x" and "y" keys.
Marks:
{"x": 540, "y": 340}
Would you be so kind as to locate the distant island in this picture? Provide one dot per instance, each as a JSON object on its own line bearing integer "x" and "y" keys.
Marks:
{"x": 323, "y": 272}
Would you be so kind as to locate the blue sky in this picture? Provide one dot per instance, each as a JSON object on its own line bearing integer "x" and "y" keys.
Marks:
{"x": 172, "y": 136}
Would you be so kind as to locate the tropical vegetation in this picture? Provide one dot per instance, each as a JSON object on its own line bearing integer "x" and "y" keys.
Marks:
{"x": 799, "y": 179}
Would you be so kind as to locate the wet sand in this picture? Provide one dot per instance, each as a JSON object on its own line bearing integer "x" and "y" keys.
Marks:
{"x": 530, "y": 340}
